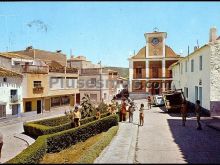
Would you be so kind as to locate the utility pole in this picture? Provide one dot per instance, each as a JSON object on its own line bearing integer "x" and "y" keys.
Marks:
{"x": 6, "y": 27}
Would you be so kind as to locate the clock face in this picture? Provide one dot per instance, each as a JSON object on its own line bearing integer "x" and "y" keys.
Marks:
{"x": 155, "y": 41}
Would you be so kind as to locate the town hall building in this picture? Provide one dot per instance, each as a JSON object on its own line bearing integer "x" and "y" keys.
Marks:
{"x": 148, "y": 69}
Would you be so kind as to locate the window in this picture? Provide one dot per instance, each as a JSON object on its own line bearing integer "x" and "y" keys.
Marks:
{"x": 192, "y": 65}
{"x": 186, "y": 92}
{"x": 196, "y": 93}
{"x": 200, "y": 62}
{"x": 155, "y": 71}
{"x": 93, "y": 97}
{"x": 5, "y": 79}
{"x": 138, "y": 72}
{"x": 181, "y": 65}
{"x": 37, "y": 83}
{"x": 185, "y": 66}
{"x": 200, "y": 95}
{"x": 93, "y": 81}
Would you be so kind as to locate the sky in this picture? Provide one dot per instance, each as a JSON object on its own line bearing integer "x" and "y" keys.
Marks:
{"x": 106, "y": 31}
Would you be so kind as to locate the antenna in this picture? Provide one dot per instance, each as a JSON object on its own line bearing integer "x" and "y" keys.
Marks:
{"x": 188, "y": 49}
{"x": 197, "y": 44}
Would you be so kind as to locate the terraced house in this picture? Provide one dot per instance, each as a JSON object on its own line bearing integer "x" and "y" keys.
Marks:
{"x": 148, "y": 69}
{"x": 198, "y": 74}
{"x": 47, "y": 82}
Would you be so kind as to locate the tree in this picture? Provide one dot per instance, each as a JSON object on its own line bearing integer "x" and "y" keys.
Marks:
{"x": 87, "y": 109}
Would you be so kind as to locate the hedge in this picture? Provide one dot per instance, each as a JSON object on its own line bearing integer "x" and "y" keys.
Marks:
{"x": 94, "y": 151}
{"x": 46, "y": 126}
{"x": 62, "y": 140}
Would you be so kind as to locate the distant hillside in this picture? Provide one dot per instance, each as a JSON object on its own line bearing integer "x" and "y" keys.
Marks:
{"x": 123, "y": 72}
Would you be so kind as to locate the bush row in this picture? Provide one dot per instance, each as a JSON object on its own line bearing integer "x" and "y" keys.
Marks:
{"x": 94, "y": 151}
{"x": 61, "y": 140}
{"x": 37, "y": 128}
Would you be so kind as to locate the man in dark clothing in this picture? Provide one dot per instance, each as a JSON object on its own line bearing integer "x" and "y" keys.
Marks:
{"x": 198, "y": 114}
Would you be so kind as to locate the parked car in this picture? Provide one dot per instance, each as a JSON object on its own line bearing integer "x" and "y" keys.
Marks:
{"x": 158, "y": 100}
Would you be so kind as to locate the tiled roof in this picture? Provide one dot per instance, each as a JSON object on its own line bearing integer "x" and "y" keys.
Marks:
{"x": 8, "y": 73}
{"x": 141, "y": 53}
{"x": 46, "y": 56}
{"x": 170, "y": 53}
{"x": 15, "y": 55}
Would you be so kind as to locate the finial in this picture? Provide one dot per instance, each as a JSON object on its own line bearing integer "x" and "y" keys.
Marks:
{"x": 156, "y": 29}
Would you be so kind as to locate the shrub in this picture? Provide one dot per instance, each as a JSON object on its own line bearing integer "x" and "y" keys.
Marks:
{"x": 35, "y": 129}
{"x": 94, "y": 151}
{"x": 32, "y": 154}
{"x": 61, "y": 140}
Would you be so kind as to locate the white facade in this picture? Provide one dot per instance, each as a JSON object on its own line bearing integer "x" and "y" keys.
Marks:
{"x": 11, "y": 94}
{"x": 198, "y": 76}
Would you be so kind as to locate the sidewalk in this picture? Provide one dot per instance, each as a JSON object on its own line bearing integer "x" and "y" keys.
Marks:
{"x": 213, "y": 122}
{"x": 122, "y": 147}
{"x": 14, "y": 141}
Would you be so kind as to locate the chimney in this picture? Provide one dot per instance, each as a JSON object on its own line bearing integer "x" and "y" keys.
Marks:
{"x": 212, "y": 34}
{"x": 59, "y": 51}
{"x": 195, "y": 47}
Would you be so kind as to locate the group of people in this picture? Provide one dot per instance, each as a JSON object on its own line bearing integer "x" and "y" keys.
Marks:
{"x": 184, "y": 110}
{"x": 131, "y": 110}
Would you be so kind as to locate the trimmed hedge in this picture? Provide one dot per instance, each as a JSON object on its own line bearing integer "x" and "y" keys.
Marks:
{"x": 94, "y": 151}
{"x": 46, "y": 126}
{"x": 62, "y": 140}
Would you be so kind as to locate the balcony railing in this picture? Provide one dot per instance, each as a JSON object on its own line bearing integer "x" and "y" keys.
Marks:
{"x": 38, "y": 90}
{"x": 14, "y": 98}
{"x": 35, "y": 69}
{"x": 72, "y": 70}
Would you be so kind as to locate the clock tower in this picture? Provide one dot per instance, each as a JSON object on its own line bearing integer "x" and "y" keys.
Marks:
{"x": 155, "y": 44}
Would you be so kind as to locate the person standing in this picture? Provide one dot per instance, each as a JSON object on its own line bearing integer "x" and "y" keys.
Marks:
{"x": 1, "y": 144}
{"x": 76, "y": 117}
{"x": 123, "y": 110}
{"x": 131, "y": 110}
{"x": 141, "y": 115}
{"x": 198, "y": 114}
{"x": 183, "y": 111}
{"x": 149, "y": 102}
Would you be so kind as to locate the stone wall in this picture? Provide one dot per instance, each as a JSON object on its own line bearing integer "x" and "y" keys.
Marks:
{"x": 215, "y": 79}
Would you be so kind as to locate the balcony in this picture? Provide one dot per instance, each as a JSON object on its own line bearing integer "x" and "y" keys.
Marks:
{"x": 34, "y": 69}
{"x": 72, "y": 70}
{"x": 38, "y": 90}
{"x": 15, "y": 98}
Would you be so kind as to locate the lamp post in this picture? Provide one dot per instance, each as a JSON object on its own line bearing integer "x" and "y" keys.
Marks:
{"x": 100, "y": 63}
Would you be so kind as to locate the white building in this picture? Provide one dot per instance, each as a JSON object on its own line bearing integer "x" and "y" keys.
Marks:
{"x": 10, "y": 92}
{"x": 198, "y": 75}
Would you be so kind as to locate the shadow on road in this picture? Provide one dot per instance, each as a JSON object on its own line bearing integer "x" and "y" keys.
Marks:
{"x": 196, "y": 146}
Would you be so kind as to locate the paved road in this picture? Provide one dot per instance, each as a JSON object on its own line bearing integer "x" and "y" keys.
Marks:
{"x": 14, "y": 141}
{"x": 162, "y": 139}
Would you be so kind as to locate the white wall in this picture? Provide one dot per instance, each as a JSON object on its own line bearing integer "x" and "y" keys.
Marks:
{"x": 5, "y": 88}
{"x": 191, "y": 79}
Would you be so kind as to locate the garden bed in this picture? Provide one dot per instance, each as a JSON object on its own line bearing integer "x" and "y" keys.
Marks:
{"x": 82, "y": 152}
{"x": 56, "y": 142}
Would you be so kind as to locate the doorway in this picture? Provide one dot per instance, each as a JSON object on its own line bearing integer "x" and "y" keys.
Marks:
{"x": 28, "y": 107}
{"x": 38, "y": 106}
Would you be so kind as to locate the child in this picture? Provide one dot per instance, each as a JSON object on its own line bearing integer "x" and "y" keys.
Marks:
{"x": 131, "y": 111}
{"x": 98, "y": 114}
{"x": 198, "y": 114}
{"x": 141, "y": 116}
{"x": 76, "y": 117}
{"x": 183, "y": 111}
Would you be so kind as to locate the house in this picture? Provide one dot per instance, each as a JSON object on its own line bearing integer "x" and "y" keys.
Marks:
{"x": 47, "y": 81}
{"x": 10, "y": 92}
{"x": 148, "y": 69}
{"x": 198, "y": 75}
{"x": 94, "y": 80}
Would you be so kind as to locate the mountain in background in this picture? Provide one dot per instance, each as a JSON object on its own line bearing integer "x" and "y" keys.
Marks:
{"x": 123, "y": 72}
